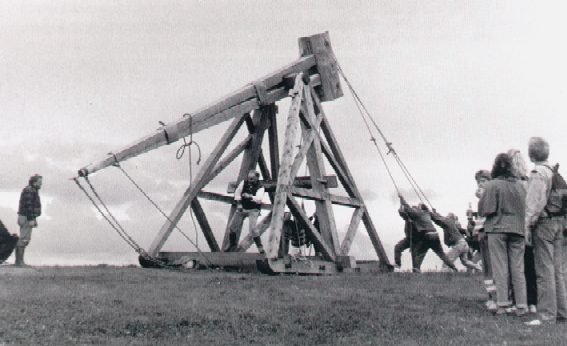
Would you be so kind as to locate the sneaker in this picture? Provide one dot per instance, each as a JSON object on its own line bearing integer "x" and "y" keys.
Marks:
{"x": 532, "y": 309}
{"x": 522, "y": 312}
{"x": 491, "y": 306}
{"x": 501, "y": 311}
{"x": 397, "y": 269}
{"x": 511, "y": 310}
{"x": 535, "y": 322}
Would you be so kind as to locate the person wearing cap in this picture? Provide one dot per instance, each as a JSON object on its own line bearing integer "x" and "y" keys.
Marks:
{"x": 248, "y": 197}
{"x": 28, "y": 211}
{"x": 428, "y": 236}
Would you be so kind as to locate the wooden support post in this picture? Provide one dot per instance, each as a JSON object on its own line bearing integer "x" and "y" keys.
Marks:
{"x": 200, "y": 180}
{"x": 320, "y": 46}
{"x": 204, "y": 224}
{"x": 324, "y": 208}
{"x": 352, "y": 228}
{"x": 285, "y": 176}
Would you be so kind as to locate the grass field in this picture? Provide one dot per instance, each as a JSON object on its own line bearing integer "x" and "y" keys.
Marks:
{"x": 133, "y": 306}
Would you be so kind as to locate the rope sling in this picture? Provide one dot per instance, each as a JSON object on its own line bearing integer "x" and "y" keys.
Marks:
{"x": 115, "y": 224}
{"x": 366, "y": 117}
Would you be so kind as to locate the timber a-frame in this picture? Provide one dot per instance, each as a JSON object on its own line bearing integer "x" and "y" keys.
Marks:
{"x": 308, "y": 138}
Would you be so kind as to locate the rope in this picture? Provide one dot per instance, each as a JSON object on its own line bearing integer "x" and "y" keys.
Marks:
{"x": 179, "y": 155}
{"x": 364, "y": 111}
{"x": 118, "y": 228}
{"x": 164, "y": 214}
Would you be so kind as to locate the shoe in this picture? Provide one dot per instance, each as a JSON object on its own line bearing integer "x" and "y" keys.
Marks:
{"x": 415, "y": 270}
{"x": 532, "y": 309}
{"x": 501, "y": 311}
{"x": 522, "y": 312}
{"x": 561, "y": 320}
{"x": 491, "y": 306}
{"x": 397, "y": 269}
{"x": 511, "y": 310}
{"x": 535, "y": 322}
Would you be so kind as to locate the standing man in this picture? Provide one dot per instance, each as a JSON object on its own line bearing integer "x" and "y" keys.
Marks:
{"x": 248, "y": 197}
{"x": 28, "y": 212}
{"x": 546, "y": 231}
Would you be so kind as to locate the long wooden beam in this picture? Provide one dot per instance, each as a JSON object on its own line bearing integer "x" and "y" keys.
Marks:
{"x": 232, "y": 105}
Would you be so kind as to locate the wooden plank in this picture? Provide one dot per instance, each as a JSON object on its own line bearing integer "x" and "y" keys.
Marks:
{"x": 324, "y": 208}
{"x": 219, "y": 197}
{"x": 285, "y": 174}
{"x": 303, "y": 266}
{"x": 204, "y": 224}
{"x": 320, "y": 46}
{"x": 300, "y": 182}
{"x": 247, "y": 241}
{"x": 313, "y": 233}
{"x": 216, "y": 259}
{"x": 317, "y": 196}
{"x": 227, "y": 160}
{"x": 199, "y": 181}
{"x": 351, "y": 232}
{"x": 273, "y": 143}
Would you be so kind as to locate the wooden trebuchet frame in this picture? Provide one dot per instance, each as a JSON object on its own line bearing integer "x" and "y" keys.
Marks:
{"x": 308, "y": 138}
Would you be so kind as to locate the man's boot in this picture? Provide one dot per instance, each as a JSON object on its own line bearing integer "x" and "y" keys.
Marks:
{"x": 232, "y": 242}
{"x": 258, "y": 242}
{"x": 20, "y": 256}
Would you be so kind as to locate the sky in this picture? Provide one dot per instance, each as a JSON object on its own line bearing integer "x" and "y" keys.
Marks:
{"x": 450, "y": 83}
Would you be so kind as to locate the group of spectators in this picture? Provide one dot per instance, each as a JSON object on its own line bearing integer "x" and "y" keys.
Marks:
{"x": 523, "y": 236}
{"x": 518, "y": 230}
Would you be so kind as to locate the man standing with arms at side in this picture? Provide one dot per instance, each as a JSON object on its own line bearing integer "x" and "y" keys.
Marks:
{"x": 546, "y": 231}
{"x": 28, "y": 212}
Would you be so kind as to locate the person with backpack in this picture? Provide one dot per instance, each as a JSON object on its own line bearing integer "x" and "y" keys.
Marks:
{"x": 544, "y": 225}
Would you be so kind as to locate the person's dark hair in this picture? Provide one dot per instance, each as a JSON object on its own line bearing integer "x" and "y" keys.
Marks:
{"x": 34, "y": 178}
{"x": 502, "y": 166}
{"x": 483, "y": 173}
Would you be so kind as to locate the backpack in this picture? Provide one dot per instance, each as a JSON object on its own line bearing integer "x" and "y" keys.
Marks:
{"x": 557, "y": 201}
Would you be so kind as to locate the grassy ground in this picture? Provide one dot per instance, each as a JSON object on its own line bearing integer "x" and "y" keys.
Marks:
{"x": 121, "y": 306}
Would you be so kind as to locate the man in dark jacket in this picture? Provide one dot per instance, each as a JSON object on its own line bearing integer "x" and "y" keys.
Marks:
{"x": 410, "y": 241}
{"x": 28, "y": 212}
{"x": 428, "y": 236}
